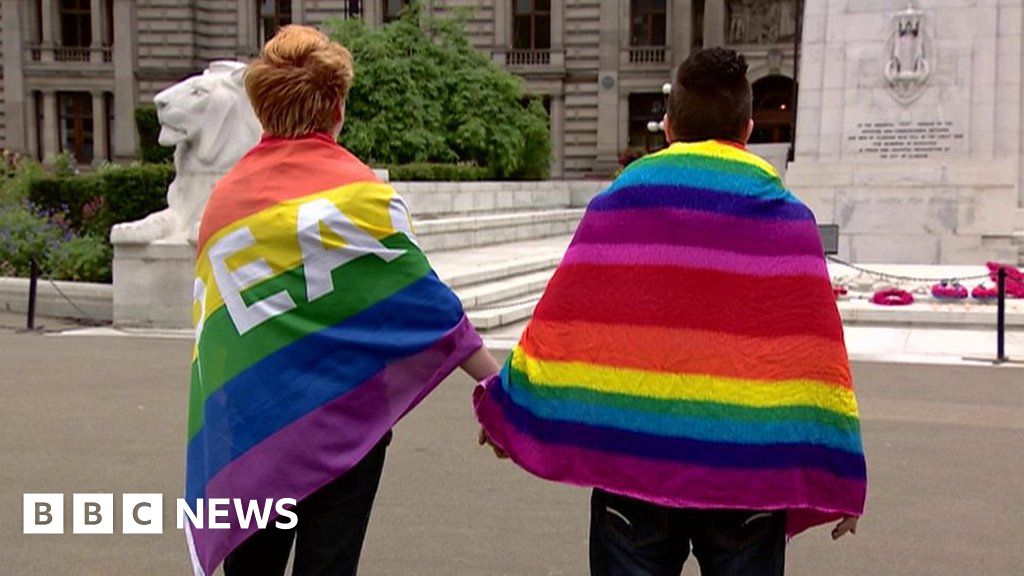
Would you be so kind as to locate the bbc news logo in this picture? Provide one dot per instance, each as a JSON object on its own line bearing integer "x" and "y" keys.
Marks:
{"x": 143, "y": 513}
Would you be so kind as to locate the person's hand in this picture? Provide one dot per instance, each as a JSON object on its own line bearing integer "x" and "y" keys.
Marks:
{"x": 847, "y": 524}
{"x": 484, "y": 439}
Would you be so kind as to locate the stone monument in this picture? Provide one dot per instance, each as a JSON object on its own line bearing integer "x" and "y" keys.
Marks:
{"x": 210, "y": 123}
{"x": 909, "y": 130}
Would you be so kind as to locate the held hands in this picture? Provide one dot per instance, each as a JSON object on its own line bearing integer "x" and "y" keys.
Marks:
{"x": 484, "y": 439}
{"x": 847, "y": 524}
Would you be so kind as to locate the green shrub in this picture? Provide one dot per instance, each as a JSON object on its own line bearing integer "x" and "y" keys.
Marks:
{"x": 82, "y": 259}
{"x": 133, "y": 192}
{"x": 422, "y": 93}
{"x": 427, "y": 172}
{"x": 25, "y": 233}
{"x": 17, "y": 177}
{"x": 65, "y": 164}
{"x": 66, "y": 196}
{"x": 148, "y": 127}
{"x": 92, "y": 203}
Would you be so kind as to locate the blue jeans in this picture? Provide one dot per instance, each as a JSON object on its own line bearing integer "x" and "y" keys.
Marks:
{"x": 630, "y": 537}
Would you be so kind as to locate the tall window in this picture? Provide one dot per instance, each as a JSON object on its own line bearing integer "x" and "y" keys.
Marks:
{"x": 393, "y": 9}
{"x": 40, "y": 122}
{"x": 271, "y": 16}
{"x": 697, "y": 24}
{"x": 645, "y": 108}
{"x": 352, "y": 8}
{"x": 108, "y": 32}
{"x": 647, "y": 21}
{"x": 108, "y": 105}
{"x": 76, "y": 128}
{"x": 531, "y": 24}
{"x": 75, "y": 23}
{"x": 37, "y": 21}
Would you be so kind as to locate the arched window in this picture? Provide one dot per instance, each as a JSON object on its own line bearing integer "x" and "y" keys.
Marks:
{"x": 646, "y": 107}
{"x": 773, "y": 110}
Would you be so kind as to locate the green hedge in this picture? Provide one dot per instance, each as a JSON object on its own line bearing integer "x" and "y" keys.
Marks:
{"x": 148, "y": 127}
{"x": 92, "y": 203}
{"x": 427, "y": 172}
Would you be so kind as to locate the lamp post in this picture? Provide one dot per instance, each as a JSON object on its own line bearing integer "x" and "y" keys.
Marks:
{"x": 659, "y": 126}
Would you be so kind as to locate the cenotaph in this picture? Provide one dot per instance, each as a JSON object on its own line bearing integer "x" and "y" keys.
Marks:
{"x": 909, "y": 130}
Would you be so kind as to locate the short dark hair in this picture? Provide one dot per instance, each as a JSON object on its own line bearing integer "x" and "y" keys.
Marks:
{"x": 710, "y": 97}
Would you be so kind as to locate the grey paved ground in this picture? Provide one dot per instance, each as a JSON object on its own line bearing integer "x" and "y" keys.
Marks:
{"x": 945, "y": 447}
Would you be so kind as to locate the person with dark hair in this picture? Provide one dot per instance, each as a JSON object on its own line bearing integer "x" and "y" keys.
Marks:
{"x": 687, "y": 358}
{"x": 710, "y": 99}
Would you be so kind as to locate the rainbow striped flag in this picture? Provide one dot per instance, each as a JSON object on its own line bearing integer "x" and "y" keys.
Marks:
{"x": 319, "y": 324}
{"x": 688, "y": 350}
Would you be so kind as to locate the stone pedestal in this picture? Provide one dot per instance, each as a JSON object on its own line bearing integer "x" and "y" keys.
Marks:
{"x": 153, "y": 284}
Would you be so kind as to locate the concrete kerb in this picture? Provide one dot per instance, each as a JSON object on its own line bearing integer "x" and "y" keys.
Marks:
{"x": 80, "y": 300}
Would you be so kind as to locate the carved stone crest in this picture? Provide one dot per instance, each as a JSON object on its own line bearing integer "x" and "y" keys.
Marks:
{"x": 907, "y": 67}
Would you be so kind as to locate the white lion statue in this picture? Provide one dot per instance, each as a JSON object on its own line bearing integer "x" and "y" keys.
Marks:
{"x": 210, "y": 123}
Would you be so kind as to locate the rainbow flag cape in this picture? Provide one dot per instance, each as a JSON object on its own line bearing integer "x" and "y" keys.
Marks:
{"x": 319, "y": 324}
{"x": 688, "y": 350}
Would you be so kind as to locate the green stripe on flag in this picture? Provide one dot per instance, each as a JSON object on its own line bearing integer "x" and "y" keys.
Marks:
{"x": 359, "y": 284}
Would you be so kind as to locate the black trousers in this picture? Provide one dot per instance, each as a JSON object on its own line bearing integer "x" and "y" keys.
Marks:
{"x": 330, "y": 531}
{"x": 629, "y": 537}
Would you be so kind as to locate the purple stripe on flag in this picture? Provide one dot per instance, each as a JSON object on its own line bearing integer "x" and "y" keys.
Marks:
{"x": 822, "y": 497}
{"x": 695, "y": 257}
{"x": 327, "y": 442}
{"x": 702, "y": 229}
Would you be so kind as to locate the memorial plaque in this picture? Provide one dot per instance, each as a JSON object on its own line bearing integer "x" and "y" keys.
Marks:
{"x": 905, "y": 140}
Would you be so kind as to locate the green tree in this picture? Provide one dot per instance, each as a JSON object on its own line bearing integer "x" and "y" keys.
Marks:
{"x": 422, "y": 93}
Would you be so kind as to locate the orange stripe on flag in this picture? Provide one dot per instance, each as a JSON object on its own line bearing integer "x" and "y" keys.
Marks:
{"x": 685, "y": 351}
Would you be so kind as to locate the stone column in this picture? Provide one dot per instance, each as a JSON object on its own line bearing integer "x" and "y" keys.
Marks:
{"x": 1020, "y": 131}
{"x": 51, "y": 133}
{"x": 714, "y": 23}
{"x": 125, "y": 90}
{"x": 372, "y": 13}
{"x": 46, "y": 21}
{"x": 502, "y": 20}
{"x": 96, "y": 24}
{"x": 558, "y": 135}
{"x": 681, "y": 30}
{"x": 246, "y": 31}
{"x": 13, "y": 12}
{"x": 608, "y": 89}
{"x": 99, "y": 129}
{"x": 557, "y": 33}
{"x": 32, "y": 144}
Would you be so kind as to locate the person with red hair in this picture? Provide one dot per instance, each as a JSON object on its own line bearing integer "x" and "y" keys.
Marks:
{"x": 320, "y": 324}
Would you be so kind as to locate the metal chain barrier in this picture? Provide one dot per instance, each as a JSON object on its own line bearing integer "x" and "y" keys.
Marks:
{"x": 34, "y": 275}
{"x": 886, "y": 276}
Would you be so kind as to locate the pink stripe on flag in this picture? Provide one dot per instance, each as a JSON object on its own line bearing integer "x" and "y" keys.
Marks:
{"x": 823, "y": 496}
{"x": 695, "y": 257}
{"x": 326, "y": 443}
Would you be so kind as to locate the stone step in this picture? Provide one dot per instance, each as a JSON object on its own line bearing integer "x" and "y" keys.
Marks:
{"x": 507, "y": 289}
{"x": 472, "y": 231}
{"x": 504, "y": 313}
{"x": 439, "y": 199}
{"x": 462, "y": 268}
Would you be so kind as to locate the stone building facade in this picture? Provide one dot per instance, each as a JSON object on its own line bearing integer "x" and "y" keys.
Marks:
{"x": 73, "y": 71}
